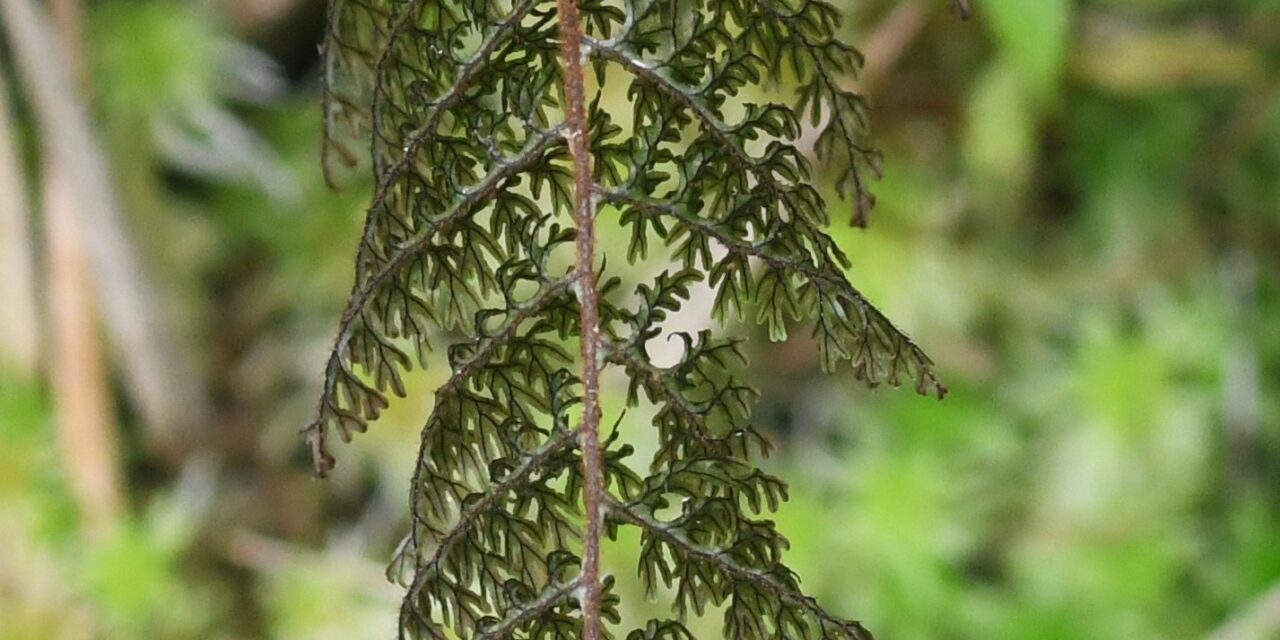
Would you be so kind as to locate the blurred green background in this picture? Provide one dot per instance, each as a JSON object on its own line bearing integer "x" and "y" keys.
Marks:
{"x": 1079, "y": 220}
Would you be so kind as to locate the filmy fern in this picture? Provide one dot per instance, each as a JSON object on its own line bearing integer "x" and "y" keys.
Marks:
{"x": 500, "y": 129}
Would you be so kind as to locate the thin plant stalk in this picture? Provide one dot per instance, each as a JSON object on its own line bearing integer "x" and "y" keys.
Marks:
{"x": 584, "y": 219}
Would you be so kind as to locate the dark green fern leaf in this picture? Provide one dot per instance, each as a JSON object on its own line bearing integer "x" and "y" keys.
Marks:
{"x": 470, "y": 231}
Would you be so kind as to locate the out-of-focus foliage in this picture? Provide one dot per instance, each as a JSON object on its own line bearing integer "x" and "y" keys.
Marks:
{"x": 1080, "y": 211}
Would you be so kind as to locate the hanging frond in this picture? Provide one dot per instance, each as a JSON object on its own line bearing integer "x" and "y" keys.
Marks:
{"x": 470, "y": 232}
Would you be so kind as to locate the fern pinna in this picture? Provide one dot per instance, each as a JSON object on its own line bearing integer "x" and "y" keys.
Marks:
{"x": 492, "y": 154}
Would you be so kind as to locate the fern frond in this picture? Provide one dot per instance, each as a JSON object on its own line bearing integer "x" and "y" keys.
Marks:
{"x": 489, "y": 158}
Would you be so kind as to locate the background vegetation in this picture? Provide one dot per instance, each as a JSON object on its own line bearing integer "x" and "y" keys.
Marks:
{"x": 1079, "y": 219}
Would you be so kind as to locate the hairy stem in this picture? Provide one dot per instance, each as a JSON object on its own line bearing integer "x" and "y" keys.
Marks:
{"x": 589, "y": 433}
